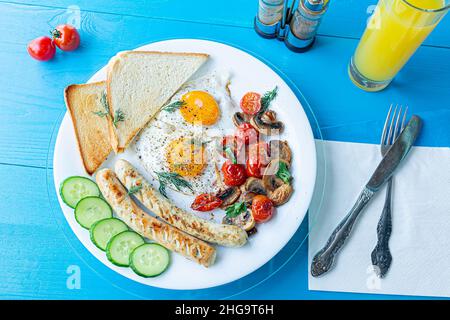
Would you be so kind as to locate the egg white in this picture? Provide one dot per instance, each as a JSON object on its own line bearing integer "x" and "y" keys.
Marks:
{"x": 151, "y": 145}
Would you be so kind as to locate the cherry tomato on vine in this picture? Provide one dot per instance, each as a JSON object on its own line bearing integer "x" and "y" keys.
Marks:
{"x": 262, "y": 208}
{"x": 66, "y": 37}
{"x": 233, "y": 174}
{"x": 41, "y": 48}
{"x": 206, "y": 202}
{"x": 251, "y": 103}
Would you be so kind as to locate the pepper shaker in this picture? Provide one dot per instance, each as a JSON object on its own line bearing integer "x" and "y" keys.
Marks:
{"x": 270, "y": 18}
{"x": 302, "y": 28}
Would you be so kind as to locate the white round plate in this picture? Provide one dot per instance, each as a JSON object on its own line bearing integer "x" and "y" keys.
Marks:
{"x": 248, "y": 74}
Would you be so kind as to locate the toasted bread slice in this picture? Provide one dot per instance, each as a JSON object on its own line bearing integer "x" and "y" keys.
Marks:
{"x": 139, "y": 83}
{"x": 89, "y": 117}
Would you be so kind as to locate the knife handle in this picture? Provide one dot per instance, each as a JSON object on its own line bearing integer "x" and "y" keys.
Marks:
{"x": 381, "y": 255}
{"x": 323, "y": 260}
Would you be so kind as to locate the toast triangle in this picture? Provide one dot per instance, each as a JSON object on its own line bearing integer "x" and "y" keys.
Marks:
{"x": 86, "y": 105}
{"x": 139, "y": 83}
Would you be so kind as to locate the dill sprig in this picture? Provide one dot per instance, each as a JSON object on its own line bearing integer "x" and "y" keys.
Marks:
{"x": 172, "y": 178}
{"x": 118, "y": 117}
{"x": 105, "y": 105}
{"x": 236, "y": 209}
{"x": 135, "y": 189}
{"x": 174, "y": 106}
{"x": 267, "y": 98}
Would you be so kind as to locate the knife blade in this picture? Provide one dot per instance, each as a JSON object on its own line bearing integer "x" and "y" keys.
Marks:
{"x": 324, "y": 259}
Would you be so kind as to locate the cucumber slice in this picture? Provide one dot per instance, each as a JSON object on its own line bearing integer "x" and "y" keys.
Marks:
{"x": 120, "y": 247}
{"x": 75, "y": 188}
{"x": 149, "y": 260}
{"x": 102, "y": 231}
{"x": 90, "y": 210}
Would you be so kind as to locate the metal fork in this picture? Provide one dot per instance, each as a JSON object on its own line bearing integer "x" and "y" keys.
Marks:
{"x": 381, "y": 255}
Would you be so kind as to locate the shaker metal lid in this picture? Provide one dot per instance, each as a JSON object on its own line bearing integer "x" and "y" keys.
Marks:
{"x": 314, "y": 5}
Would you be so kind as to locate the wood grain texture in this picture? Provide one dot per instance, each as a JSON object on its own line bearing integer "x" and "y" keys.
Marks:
{"x": 37, "y": 245}
{"x": 32, "y": 98}
{"x": 344, "y": 18}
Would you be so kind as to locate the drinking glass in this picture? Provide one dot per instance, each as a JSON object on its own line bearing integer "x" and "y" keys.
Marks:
{"x": 394, "y": 32}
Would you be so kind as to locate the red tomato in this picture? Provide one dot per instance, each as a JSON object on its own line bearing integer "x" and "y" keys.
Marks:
{"x": 233, "y": 174}
{"x": 41, "y": 48}
{"x": 234, "y": 144}
{"x": 247, "y": 133}
{"x": 259, "y": 153}
{"x": 66, "y": 37}
{"x": 262, "y": 208}
{"x": 251, "y": 103}
{"x": 206, "y": 202}
{"x": 254, "y": 169}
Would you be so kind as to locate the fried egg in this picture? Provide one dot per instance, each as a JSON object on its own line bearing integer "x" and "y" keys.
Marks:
{"x": 181, "y": 139}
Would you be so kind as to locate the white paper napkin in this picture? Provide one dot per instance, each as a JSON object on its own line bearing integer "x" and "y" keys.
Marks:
{"x": 420, "y": 241}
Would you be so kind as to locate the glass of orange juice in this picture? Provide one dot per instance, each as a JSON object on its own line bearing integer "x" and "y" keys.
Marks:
{"x": 394, "y": 32}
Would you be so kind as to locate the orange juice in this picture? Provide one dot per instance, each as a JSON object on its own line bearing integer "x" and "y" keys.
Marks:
{"x": 395, "y": 30}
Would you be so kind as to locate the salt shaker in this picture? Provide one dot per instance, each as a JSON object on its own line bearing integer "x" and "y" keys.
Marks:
{"x": 270, "y": 18}
{"x": 303, "y": 24}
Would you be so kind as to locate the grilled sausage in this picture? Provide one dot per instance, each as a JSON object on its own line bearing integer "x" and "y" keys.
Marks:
{"x": 222, "y": 234}
{"x": 150, "y": 227}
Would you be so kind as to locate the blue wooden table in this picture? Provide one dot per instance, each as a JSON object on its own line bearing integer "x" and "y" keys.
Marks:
{"x": 38, "y": 252}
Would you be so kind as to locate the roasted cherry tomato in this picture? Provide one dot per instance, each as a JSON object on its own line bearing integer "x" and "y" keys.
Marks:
{"x": 41, "y": 48}
{"x": 206, "y": 202}
{"x": 66, "y": 37}
{"x": 259, "y": 153}
{"x": 247, "y": 133}
{"x": 251, "y": 103}
{"x": 262, "y": 208}
{"x": 254, "y": 169}
{"x": 231, "y": 144}
{"x": 233, "y": 174}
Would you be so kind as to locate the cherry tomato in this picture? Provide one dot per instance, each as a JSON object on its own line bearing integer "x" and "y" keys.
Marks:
{"x": 259, "y": 153}
{"x": 262, "y": 208}
{"x": 66, "y": 37}
{"x": 41, "y": 48}
{"x": 206, "y": 202}
{"x": 233, "y": 174}
{"x": 251, "y": 103}
{"x": 247, "y": 133}
{"x": 233, "y": 144}
{"x": 254, "y": 169}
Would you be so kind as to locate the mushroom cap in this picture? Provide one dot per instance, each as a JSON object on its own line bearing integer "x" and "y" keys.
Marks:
{"x": 266, "y": 123}
{"x": 279, "y": 149}
{"x": 245, "y": 220}
{"x": 254, "y": 185}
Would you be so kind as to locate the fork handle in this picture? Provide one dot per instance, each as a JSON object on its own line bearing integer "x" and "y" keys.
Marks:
{"x": 324, "y": 259}
{"x": 381, "y": 255}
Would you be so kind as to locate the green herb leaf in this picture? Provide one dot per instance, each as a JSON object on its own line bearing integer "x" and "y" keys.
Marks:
{"x": 267, "y": 98}
{"x": 118, "y": 117}
{"x": 173, "y": 106}
{"x": 230, "y": 154}
{"x": 172, "y": 178}
{"x": 283, "y": 173}
{"x": 235, "y": 209}
{"x": 105, "y": 105}
{"x": 135, "y": 189}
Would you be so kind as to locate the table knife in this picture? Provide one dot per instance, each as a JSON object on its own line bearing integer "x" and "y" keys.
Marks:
{"x": 324, "y": 259}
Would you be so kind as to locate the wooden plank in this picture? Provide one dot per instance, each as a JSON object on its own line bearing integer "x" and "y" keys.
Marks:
{"x": 343, "y": 19}
{"x": 31, "y": 98}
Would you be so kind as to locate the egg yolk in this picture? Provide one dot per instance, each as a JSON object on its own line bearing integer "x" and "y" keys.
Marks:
{"x": 186, "y": 157}
{"x": 199, "y": 108}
